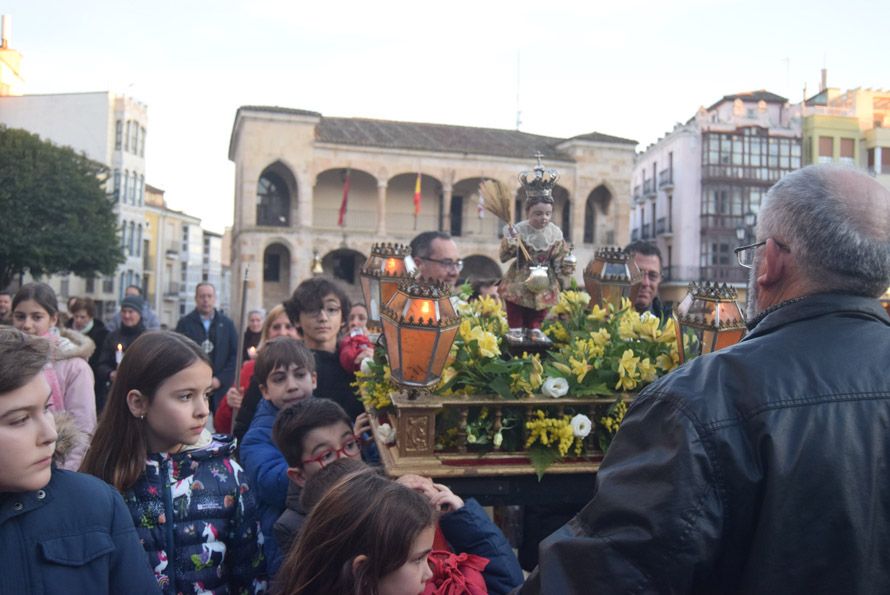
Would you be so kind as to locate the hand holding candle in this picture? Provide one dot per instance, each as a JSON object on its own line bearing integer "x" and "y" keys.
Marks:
{"x": 119, "y": 354}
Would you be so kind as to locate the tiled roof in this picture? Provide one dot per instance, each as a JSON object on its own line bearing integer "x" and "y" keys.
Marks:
{"x": 440, "y": 138}
{"x": 752, "y": 96}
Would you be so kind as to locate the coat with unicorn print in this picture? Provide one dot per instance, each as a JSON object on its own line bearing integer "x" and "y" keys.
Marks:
{"x": 197, "y": 519}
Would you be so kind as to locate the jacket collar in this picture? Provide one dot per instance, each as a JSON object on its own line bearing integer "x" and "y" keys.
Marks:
{"x": 814, "y": 306}
{"x": 15, "y": 504}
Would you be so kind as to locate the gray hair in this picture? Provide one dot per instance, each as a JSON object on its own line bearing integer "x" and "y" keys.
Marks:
{"x": 836, "y": 221}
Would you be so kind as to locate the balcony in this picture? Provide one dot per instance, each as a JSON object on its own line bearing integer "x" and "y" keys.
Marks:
{"x": 173, "y": 290}
{"x": 681, "y": 275}
{"x": 666, "y": 179}
{"x": 649, "y": 189}
{"x": 638, "y": 195}
{"x": 663, "y": 227}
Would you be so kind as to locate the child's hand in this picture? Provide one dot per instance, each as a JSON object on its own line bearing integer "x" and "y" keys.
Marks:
{"x": 362, "y": 424}
{"x": 364, "y": 354}
{"x": 418, "y": 483}
{"x": 234, "y": 397}
{"x": 445, "y": 500}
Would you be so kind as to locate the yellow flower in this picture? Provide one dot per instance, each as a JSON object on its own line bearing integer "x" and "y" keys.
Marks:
{"x": 668, "y": 333}
{"x": 647, "y": 371}
{"x": 536, "y": 378}
{"x": 466, "y": 327}
{"x": 487, "y": 342}
{"x": 626, "y": 326}
{"x": 597, "y": 313}
{"x": 559, "y": 333}
{"x": 580, "y": 368}
{"x": 562, "y": 368}
{"x": 625, "y": 304}
{"x": 627, "y": 371}
{"x": 601, "y": 337}
{"x": 646, "y": 326}
{"x": 577, "y": 298}
{"x": 447, "y": 374}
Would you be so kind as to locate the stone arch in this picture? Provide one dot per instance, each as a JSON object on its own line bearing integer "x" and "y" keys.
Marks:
{"x": 361, "y": 204}
{"x": 400, "y": 203}
{"x": 276, "y": 273}
{"x": 465, "y": 220}
{"x": 344, "y": 264}
{"x": 276, "y": 196}
{"x": 599, "y": 201}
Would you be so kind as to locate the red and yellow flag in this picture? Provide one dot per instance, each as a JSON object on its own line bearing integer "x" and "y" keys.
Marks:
{"x": 417, "y": 196}
{"x": 342, "y": 219}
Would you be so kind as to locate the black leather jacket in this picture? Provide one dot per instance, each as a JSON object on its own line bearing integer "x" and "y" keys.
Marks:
{"x": 762, "y": 468}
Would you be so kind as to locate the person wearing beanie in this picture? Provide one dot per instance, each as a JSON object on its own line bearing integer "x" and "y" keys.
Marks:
{"x": 116, "y": 344}
{"x": 149, "y": 318}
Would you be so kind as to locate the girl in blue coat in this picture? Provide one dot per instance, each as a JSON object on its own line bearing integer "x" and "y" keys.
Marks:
{"x": 191, "y": 503}
{"x": 60, "y": 531}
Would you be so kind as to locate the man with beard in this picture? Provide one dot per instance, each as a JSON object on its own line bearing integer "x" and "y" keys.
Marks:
{"x": 760, "y": 468}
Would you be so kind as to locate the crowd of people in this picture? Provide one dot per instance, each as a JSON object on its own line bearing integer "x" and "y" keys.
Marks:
{"x": 755, "y": 469}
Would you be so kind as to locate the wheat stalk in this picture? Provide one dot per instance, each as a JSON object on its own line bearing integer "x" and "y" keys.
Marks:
{"x": 498, "y": 200}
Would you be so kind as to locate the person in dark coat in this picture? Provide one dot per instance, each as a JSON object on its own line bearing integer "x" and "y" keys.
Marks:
{"x": 761, "y": 467}
{"x": 647, "y": 257}
{"x": 60, "y": 531}
{"x": 83, "y": 320}
{"x": 215, "y": 333}
{"x": 115, "y": 345}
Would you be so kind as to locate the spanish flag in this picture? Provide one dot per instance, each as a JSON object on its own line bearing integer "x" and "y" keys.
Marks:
{"x": 342, "y": 219}
{"x": 417, "y": 196}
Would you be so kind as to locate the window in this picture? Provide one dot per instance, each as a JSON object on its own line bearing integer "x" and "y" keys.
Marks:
{"x": 826, "y": 149}
{"x": 142, "y": 142}
{"x": 90, "y": 286}
{"x": 885, "y": 160}
{"x": 126, "y": 197}
{"x": 123, "y": 235}
{"x": 457, "y": 212}
{"x": 118, "y": 134}
{"x": 139, "y": 240}
{"x": 848, "y": 148}
{"x": 140, "y": 192}
{"x": 273, "y": 201}
{"x": 134, "y": 140}
{"x": 117, "y": 185}
{"x": 185, "y": 239}
{"x": 130, "y": 248}
{"x": 127, "y": 138}
{"x": 108, "y": 284}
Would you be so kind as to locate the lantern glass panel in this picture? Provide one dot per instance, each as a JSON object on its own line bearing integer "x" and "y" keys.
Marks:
{"x": 391, "y": 332}
{"x": 440, "y": 357}
{"x": 420, "y": 309}
{"x": 417, "y": 353}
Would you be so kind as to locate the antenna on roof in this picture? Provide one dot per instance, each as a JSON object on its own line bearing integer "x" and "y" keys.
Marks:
{"x": 518, "y": 110}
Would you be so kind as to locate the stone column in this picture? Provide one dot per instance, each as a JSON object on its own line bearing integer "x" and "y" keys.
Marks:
{"x": 446, "y": 207}
{"x": 878, "y": 158}
{"x": 381, "y": 208}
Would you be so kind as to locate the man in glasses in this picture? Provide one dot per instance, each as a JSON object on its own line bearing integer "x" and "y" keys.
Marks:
{"x": 762, "y": 467}
{"x": 435, "y": 256}
{"x": 647, "y": 257}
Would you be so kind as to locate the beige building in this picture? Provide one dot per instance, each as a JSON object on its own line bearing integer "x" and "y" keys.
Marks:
{"x": 291, "y": 165}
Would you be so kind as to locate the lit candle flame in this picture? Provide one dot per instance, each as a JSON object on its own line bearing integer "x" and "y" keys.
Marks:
{"x": 251, "y": 352}
{"x": 390, "y": 265}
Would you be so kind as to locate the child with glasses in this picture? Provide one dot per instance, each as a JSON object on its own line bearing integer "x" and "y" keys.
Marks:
{"x": 285, "y": 372}
{"x": 316, "y": 439}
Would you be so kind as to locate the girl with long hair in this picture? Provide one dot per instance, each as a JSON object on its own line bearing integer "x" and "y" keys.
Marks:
{"x": 190, "y": 501}
{"x": 368, "y": 535}
{"x": 35, "y": 311}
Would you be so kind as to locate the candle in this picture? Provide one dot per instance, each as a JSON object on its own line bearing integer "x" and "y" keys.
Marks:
{"x": 390, "y": 266}
{"x": 119, "y": 354}
{"x": 251, "y": 352}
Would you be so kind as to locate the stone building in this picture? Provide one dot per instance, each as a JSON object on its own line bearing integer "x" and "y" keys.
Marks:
{"x": 290, "y": 171}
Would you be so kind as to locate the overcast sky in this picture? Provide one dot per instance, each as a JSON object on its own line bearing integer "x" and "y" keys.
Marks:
{"x": 626, "y": 68}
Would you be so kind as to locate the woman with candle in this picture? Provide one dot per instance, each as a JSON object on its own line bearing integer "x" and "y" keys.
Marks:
{"x": 116, "y": 344}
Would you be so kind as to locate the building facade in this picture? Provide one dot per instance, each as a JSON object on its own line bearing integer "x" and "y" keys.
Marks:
{"x": 697, "y": 190}
{"x": 291, "y": 172}
{"x": 851, "y": 128}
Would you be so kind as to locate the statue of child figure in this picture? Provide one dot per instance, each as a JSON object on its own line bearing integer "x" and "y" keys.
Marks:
{"x": 531, "y": 285}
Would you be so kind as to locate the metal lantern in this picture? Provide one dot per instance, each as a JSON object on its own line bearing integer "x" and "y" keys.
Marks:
{"x": 381, "y": 275}
{"x": 710, "y": 317}
{"x": 567, "y": 266}
{"x": 420, "y": 324}
{"x": 610, "y": 276}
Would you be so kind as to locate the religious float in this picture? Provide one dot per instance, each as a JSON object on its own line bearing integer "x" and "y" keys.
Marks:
{"x": 456, "y": 391}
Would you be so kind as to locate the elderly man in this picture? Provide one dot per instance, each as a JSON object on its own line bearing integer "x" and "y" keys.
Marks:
{"x": 647, "y": 257}
{"x": 435, "y": 255}
{"x": 761, "y": 468}
{"x": 215, "y": 333}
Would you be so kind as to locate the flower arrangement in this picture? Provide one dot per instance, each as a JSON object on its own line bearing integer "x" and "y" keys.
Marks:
{"x": 597, "y": 352}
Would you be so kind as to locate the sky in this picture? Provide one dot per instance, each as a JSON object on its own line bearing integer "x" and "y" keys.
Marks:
{"x": 631, "y": 68}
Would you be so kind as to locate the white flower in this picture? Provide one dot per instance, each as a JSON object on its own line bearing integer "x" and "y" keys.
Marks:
{"x": 555, "y": 387}
{"x": 388, "y": 434}
{"x": 366, "y": 366}
{"x": 581, "y": 426}
{"x": 498, "y": 439}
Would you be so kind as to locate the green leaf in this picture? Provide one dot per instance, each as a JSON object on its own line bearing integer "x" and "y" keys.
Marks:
{"x": 501, "y": 386}
{"x": 541, "y": 458}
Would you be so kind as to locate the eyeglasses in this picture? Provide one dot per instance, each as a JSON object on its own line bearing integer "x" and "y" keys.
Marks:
{"x": 330, "y": 311}
{"x": 447, "y": 263}
{"x": 350, "y": 448}
{"x": 745, "y": 254}
{"x": 653, "y": 276}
